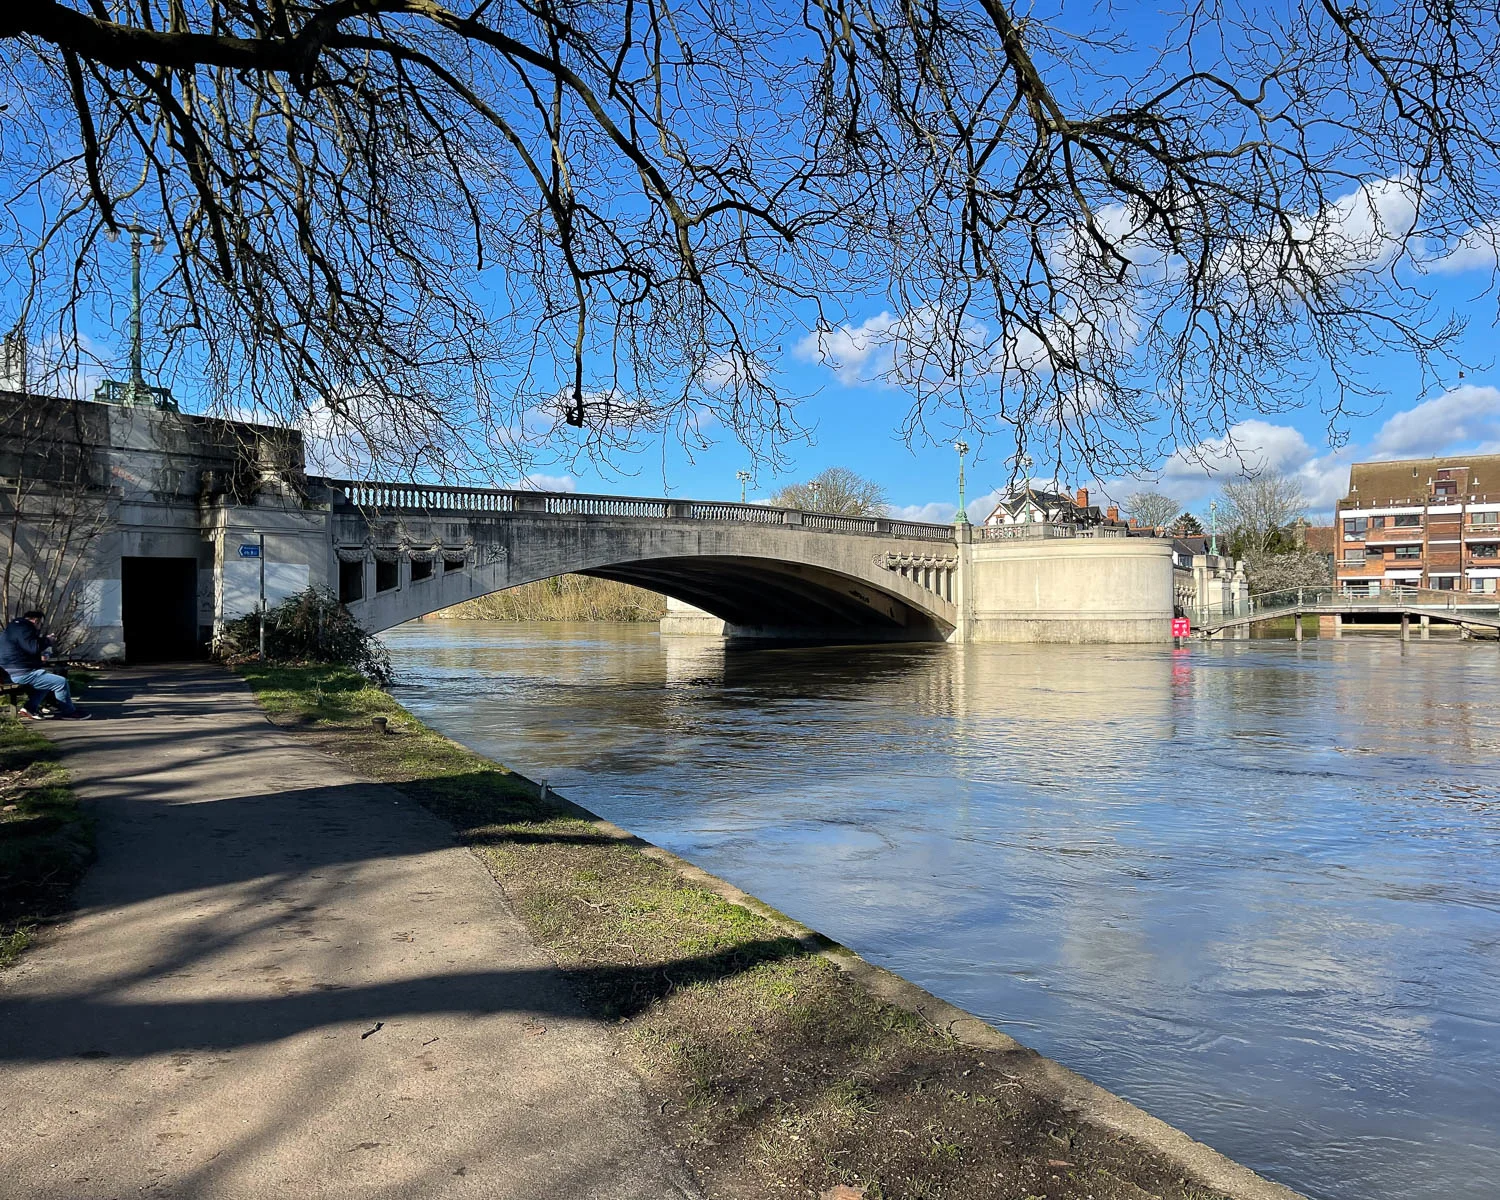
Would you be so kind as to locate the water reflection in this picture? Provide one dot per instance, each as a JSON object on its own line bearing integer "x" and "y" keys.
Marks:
{"x": 1254, "y": 887}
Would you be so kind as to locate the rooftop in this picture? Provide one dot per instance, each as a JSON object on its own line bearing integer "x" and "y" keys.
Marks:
{"x": 1410, "y": 480}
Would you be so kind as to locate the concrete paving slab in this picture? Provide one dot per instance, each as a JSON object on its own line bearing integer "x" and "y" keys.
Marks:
{"x": 285, "y": 981}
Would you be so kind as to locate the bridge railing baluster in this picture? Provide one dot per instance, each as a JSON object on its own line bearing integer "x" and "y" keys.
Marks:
{"x": 378, "y": 494}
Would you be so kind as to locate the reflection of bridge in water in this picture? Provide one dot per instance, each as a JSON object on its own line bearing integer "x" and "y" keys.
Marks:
{"x": 1395, "y": 604}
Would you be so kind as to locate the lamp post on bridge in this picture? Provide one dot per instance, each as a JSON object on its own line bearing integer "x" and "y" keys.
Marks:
{"x": 961, "y": 517}
{"x": 744, "y": 478}
{"x": 816, "y": 489}
{"x": 1213, "y": 527}
{"x": 135, "y": 391}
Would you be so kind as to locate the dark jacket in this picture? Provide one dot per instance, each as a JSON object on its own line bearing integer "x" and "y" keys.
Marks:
{"x": 21, "y": 647}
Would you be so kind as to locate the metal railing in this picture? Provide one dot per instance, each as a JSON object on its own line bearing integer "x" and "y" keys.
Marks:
{"x": 1028, "y": 530}
{"x": 430, "y": 498}
{"x": 1266, "y": 605}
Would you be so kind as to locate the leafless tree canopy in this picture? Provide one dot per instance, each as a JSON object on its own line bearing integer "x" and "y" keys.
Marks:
{"x": 454, "y": 228}
{"x": 1255, "y": 509}
{"x": 835, "y": 490}
{"x": 1152, "y": 509}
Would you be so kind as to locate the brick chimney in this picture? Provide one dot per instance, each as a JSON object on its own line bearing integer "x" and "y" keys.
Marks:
{"x": 1112, "y": 512}
{"x": 1134, "y": 524}
{"x": 1083, "y": 498}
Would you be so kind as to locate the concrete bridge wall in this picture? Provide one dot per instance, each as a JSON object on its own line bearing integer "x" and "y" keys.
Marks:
{"x": 1070, "y": 590}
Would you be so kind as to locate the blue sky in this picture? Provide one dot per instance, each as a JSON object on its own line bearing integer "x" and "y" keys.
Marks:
{"x": 855, "y": 420}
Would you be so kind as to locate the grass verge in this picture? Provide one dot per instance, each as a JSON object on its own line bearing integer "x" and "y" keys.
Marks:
{"x": 46, "y": 842}
{"x": 772, "y": 1071}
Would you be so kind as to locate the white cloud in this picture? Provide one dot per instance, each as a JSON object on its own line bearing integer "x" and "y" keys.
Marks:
{"x": 1194, "y": 473}
{"x": 536, "y": 482}
{"x": 1477, "y": 250}
{"x": 852, "y": 352}
{"x": 935, "y": 512}
{"x": 1464, "y": 417}
{"x": 942, "y": 512}
{"x": 1366, "y": 228}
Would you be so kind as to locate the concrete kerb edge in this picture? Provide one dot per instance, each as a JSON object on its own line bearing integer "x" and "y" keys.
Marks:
{"x": 1077, "y": 1095}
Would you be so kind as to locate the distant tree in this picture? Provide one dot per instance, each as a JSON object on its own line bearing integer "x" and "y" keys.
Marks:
{"x": 1187, "y": 525}
{"x": 1258, "y": 510}
{"x": 839, "y": 490}
{"x": 1276, "y": 572}
{"x": 1151, "y": 509}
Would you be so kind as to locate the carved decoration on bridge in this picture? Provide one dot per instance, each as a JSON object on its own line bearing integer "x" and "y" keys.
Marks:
{"x": 894, "y": 562}
{"x": 930, "y": 572}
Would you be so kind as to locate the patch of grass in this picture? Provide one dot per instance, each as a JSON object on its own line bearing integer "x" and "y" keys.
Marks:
{"x": 772, "y": 1071}
{"x": 45, "y": 840}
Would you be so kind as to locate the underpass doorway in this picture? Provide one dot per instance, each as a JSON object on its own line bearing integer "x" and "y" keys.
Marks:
{"x": 159, "y": 609}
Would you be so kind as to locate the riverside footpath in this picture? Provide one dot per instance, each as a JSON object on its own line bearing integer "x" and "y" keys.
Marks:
{"x": 283, "y": 980}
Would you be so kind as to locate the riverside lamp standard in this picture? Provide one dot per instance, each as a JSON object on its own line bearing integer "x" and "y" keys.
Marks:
{"x": 816, "y": 489}
{"x": 1213, "y": 527}
{"x": 135, "y": 391}
{"x": 961, "y": 517}
{"x": 744, "y": 478}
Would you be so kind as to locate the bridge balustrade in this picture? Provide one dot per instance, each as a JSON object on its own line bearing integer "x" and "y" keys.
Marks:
{"x": 1024, "y": 532}
{"x": 921, "y": 531}
{"x": 755, "y": 514}
{"x": 429, "y": 498}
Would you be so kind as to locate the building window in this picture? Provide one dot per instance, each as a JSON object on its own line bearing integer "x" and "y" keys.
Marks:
{"x": 1408, "y": 551}
{"x": 1407, "y": 520}
{"x": 1377, "y": 522}
{"x": 1446, "y": 487}
{"x": 1374, "y": 551}
{"x": 1485, "y": 550}
{"x": 1354, "y": 528}
{"x": 1356, "y": 556}
{"x": 1483, "y": 585}
{"x": 1445, "y": 583}
{"x": 1484, "y": 518}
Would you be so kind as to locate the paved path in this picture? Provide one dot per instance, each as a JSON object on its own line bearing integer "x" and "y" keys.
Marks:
{"x": 286, "y": 982}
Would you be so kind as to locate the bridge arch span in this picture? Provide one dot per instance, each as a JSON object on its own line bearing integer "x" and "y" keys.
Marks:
{"x": 776, "y": 581}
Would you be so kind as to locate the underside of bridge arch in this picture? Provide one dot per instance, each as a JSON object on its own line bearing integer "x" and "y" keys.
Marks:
{"x": 761, "y": 596}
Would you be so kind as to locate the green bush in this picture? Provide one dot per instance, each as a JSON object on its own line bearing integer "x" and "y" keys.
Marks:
{"x": 311, "y": 626}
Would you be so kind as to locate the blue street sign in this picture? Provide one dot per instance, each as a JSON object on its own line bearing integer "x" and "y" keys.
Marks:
{"x": 248, "y": 551}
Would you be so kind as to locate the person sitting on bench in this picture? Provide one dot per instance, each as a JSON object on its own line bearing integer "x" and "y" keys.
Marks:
{"x": 23, "y": 651}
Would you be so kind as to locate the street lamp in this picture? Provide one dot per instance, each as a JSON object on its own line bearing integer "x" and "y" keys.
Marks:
{"x": 816, "y": 489}
{"x": 1213, "y": 526}
{"x": 744, "y": 478}
{"x": 961, "y": 517}
{"x": 136, "y": 391}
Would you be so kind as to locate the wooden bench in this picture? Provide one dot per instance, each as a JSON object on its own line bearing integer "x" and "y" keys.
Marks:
{"x": 15, "y": 695}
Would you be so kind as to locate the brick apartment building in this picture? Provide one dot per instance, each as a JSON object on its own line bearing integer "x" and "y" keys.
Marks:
{"x": 1421, "y": 522}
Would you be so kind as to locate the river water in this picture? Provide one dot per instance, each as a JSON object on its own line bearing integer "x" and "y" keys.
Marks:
{"x": 1252, "y": 886}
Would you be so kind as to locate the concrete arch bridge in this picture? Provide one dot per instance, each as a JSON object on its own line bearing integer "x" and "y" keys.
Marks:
{"x": 180, "y": 524}
{"x": 407, "y": 550}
